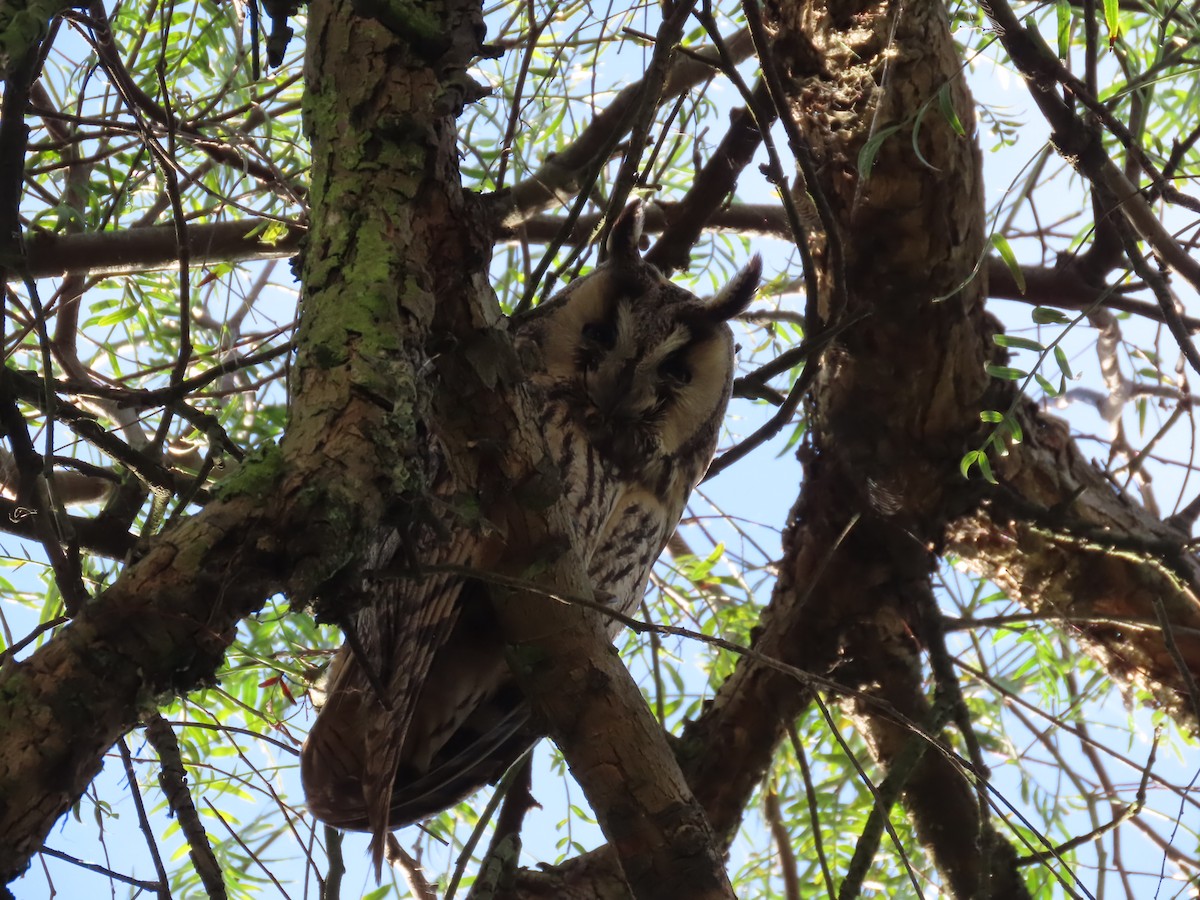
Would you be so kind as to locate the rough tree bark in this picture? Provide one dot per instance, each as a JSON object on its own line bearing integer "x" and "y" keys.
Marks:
{"x": 394, "y": 276}
{"x": 394, "y": 284}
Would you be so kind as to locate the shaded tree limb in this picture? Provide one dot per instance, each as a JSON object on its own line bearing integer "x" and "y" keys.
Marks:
{"x": 710, "y": 188}
{"x": 1077, "y": 547}
{"x": 558, "y": 179}
{"x": 1079, "y": 144}
{"x": 153, "y": 248}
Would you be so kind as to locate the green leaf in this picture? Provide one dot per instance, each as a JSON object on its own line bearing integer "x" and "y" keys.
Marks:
{"x": 273, "y": 232}
{"x": 379, "y": 893}
{"x": 1044, "y": 315}
{"x": 1000, "y": 242}
{"x": 969, "y": 459}
{"x": 1112, "y": 18}
{"x": 866, "y": 156}
{"x": 121, "y": 315}
{"x": 1050, "y": 389}
{"x": 991, "y": 415}
{"x": 1008, "y": 373}
{"x": 946, "y": 105}
{"x": 1063, "y": 9}
{"x": 797, "y": 433}
{"x": 915, "y": 140}
{"x": 985, "y": 468}
{"x": 1017, "y": 343}
{"x": 1060, "y": 357}
{"x": 977, "y": 458}
{"x": 1013, "y": 427}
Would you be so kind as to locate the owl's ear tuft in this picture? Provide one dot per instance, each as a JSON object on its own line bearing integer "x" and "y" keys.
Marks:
{"x": 737, "y": 295}
{"x": 624, "y": 241}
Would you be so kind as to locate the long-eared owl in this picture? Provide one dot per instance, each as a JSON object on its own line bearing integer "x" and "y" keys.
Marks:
{"x": 632, "y": 375}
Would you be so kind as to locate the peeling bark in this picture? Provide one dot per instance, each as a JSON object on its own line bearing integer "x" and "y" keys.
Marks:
{"x": 1062, "y": 540}
{"x": 894, "y": 408}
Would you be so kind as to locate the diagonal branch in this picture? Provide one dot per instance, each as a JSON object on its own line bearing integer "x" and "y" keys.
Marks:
{"x": 1080, "y": 144}
{"x": 559, "y": 178}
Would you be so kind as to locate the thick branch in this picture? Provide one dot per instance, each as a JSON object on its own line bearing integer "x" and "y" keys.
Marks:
{"x": 1061, "y": 540}
{"x": 154, "y": 248}
{"x": 148, "y": 249}
{"x": 290, "y": 520}
{"x": 615, "y": 747}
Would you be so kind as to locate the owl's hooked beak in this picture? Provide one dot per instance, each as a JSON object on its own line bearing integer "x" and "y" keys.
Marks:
{"x": 618, "y": 393}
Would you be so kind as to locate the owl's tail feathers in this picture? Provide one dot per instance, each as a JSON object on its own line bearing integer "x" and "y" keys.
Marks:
{"x": 384, "y": 741}
{"x": 460, "y": 771}
{"x": 348, "y": 765}
{"x": 332, "y": 767}
{"x": 344, "y": 771}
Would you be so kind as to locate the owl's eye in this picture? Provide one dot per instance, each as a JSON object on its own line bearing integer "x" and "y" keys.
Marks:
{"x": 676, "y": 369}
{"x": 601, "y": 333}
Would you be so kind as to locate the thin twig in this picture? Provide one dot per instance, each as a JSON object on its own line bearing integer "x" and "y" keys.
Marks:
{"x": 879, "y": 820}
{"x": 814, "y": 812}
{"x": 164, "y": 891}
{"x": 254, "y": 856}
{"x": 101, "y": 870}
{"x": 485, "y": 818}
{"x": 783, "y": 845}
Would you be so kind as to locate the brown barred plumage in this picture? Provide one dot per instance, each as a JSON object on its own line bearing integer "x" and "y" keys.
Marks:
{"x": 635, "y": 374}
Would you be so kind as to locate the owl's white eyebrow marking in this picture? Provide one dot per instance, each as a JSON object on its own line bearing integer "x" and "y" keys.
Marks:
{"x": 677, "y": 339}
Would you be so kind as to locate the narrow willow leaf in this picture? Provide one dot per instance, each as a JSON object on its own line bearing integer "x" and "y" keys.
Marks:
{"x": 991, "y": 415}
{"x": 121, "y": 315}
{"x": 866, "y": 156}
{"x": 1017, "y": 343}
{"x": 1044, "y": 315}
{"x": 1000, "y": 242}
{"x": 1015, "y": 434}
{"x": 916, "y": 144}
{"x": 970, "y": 458}
{"x": 946, "y": 105}
{"x": 1008, "y": 373}
{"x": 985, "y": 468}
{"x": 1063, "y": 8}
{"x": 1060, "y": 357}
{"x": 1050, "y": 389}
{"x": 1112, "y": 18}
